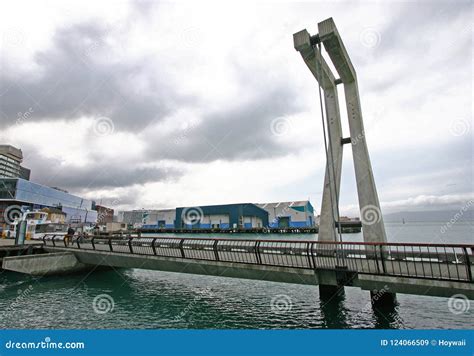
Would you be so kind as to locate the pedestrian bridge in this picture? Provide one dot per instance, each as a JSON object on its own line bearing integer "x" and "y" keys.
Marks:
{"x": 423, "y": 269}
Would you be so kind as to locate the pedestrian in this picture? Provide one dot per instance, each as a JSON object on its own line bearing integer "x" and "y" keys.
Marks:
{"x": 69, "y": 235}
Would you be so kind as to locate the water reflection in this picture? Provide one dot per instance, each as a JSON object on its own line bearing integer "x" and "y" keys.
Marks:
{"x": 387, "y": 316}
{"x": 332, "y": 305}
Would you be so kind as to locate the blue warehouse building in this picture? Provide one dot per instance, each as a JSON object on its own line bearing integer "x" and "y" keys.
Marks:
{"x": 294, "y": 214}
{"x": 227, "y": 216}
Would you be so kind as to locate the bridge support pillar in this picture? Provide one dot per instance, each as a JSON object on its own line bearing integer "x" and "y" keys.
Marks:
{"x": 382, "y": 299}
{"x": 329, "y": 292}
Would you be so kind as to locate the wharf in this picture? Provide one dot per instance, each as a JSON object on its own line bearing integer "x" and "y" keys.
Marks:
{"x": 9, "y": 249}
{"x": 347, "y": 227}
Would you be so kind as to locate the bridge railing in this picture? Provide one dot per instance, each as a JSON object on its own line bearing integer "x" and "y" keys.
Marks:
{"x": 429, "y": 261}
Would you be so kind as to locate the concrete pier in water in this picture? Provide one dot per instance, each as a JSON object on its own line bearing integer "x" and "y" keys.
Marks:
{"x": 52, "y": 263}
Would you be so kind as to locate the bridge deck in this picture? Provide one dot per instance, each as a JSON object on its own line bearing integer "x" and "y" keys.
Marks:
{"x": 424, "y": 261}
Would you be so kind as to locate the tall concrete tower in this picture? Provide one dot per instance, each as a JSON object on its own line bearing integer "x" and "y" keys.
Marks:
{"x": 310, "y": 49}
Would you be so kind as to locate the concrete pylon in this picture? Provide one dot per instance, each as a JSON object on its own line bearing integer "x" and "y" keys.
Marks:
{"x": 370, "y": 212}
{"x": 321, "y": 71}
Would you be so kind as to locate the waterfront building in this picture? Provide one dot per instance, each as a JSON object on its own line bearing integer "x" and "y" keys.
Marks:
{"x": 296, "y": 214}
{"x": 348, "y": 219}
{"x": 25, "y": 173}
{"x": 104, "y": 214}
{"x": 228, "y": 216}
{"x": 289, "y": 214}
{"x": 134, "y": 218}
{"x": 55, "y": 215}
{"x": 148, "y": 218}
{"x": 241, "y": 216}
{"x": 23, "y": 195}
{"x": 119, "y": 216}
{"x": 164, "y": 218}
{"x": 112, "y": 227}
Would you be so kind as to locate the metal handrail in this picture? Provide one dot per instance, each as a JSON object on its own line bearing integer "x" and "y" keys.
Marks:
{"x": 414, "y": 244}
{"x": 417, "y": 260}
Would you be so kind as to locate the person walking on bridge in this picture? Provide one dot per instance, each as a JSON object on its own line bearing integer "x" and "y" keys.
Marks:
{"x": 69, "y": 235}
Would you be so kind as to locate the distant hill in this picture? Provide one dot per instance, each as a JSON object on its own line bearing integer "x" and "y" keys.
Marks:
{"x": 430, "y": 216}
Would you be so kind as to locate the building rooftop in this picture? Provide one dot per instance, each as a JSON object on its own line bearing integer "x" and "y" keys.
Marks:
{"x": 284, "y": 203}
{"x": 11, "y": 151}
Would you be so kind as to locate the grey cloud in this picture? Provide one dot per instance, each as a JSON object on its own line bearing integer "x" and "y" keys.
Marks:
{"x": 410, "y": 35}
{"x": 245, "y": 131}
{"x": 420, "y": 16}
{"x": 98, "y": 175}
{"x": 443, "y": 167}
{"x": 119, "y": 202}
{"x": 80, "y": 76}
{"x": 77, "y": 82}
{"x": 144, "y": 8}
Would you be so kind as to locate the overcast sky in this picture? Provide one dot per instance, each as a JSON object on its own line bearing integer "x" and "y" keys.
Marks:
{"x": 147, "y": 104}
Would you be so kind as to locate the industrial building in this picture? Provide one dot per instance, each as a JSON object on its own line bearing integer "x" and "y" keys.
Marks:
{"x": 228, "y": 216}
{"x": 161, "y": 218}
{"x": 240, "y": 216}
{"x": 135, "y": 218}
{"x": 296, "y": 214}
{"x": 148, "y": 218}
{"x": 289, "y": 214}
